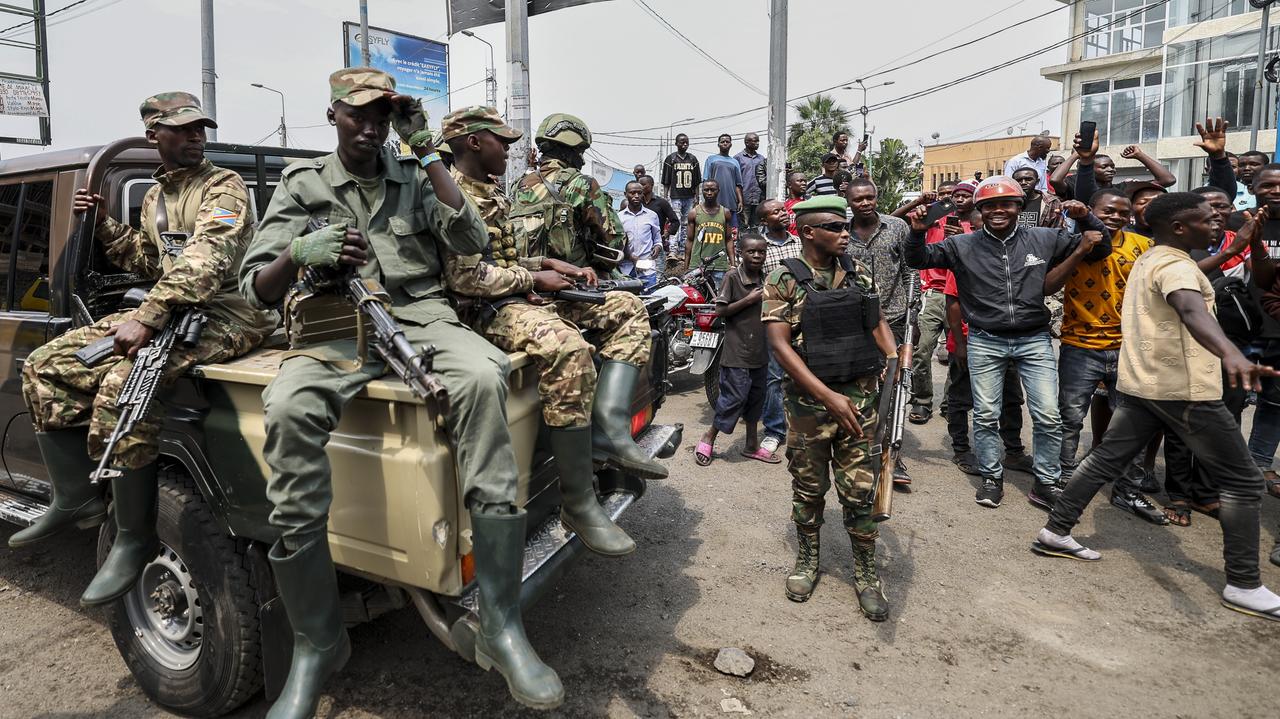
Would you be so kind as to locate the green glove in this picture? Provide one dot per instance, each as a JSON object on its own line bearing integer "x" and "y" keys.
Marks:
{"x": 321, "y": 248}
{"x": 410, "y": 122}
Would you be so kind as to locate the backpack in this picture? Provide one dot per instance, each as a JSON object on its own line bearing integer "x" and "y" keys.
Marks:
{"x": 546, "y": 225}
{"x": 1238, "y": 312}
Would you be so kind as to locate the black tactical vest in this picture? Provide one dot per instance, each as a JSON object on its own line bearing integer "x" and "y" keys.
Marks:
{"x": 837, "y": 326}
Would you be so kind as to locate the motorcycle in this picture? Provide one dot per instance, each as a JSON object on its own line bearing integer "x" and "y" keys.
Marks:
{"x": 694, "y": 332}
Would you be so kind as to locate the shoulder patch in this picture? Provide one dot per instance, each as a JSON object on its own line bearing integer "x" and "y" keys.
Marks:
{"x": 225, "y": 216}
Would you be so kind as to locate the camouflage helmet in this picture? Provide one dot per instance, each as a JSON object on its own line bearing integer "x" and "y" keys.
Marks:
{"x": 566, "y": 130}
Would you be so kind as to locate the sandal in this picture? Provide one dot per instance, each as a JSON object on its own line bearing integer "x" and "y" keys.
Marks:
{"x": 1178, "y": 514}
{"x": 966, "y": 463}
{"x": 761, "y": 454}
{"x": 920, "y": 415}
{"x": 1273, "y": 613}
{"x": 702, "y": 454}
{"x": 1272, "y": 482}
{"x": 1209, "y": 509}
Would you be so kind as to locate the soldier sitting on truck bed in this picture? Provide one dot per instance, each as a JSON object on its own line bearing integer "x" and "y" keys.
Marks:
{"x": 504, "y": 276}
{"x": 195, "y": 228}
{"x": 391, "y": 219}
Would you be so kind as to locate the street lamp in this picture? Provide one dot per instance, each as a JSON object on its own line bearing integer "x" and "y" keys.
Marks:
{"x": 491, "y": 79}
{"x": 284, "y": 131}
{"x": 864, "y": 110}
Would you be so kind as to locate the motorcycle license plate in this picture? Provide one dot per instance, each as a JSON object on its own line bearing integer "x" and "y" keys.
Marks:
{"x": 705, "y": 340}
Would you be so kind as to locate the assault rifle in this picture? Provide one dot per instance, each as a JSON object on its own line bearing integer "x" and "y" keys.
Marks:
{"x": 184, "y": 326}
{"x": 388, "y": 341}
{"x": 892, "y": 412}
{"x": 582, "y": 292}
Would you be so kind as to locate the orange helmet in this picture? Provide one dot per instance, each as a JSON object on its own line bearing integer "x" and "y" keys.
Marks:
{"x": 998, "y": 187}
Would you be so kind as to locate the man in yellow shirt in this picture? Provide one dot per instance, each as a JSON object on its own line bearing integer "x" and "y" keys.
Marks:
{"x": 1092, "y": 296}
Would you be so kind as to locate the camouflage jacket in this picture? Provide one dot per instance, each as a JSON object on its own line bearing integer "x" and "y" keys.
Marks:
{"x": 587, "y": 201}
{"x": 500, "y": 270}
{"x": 784, "y": 296}
{"x": 210, "y": 205}
{"x": 407, "y": 228}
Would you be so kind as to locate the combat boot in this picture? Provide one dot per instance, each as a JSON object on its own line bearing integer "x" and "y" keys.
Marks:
{"x": 580, "y": 512}
{"x": 133, "y": 502}
{"x": 308, "y": 587}
{"x": 866, "y": 580}
{"x": 805, "y": 575}
{"x": 76, "y": 501}
{"x": 611, "y": 418}
{"x": 498, "y": 548}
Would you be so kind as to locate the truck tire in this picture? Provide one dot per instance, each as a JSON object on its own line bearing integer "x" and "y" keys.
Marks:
{"x": 189, "y": 631}
{"x": 711, "y": 382}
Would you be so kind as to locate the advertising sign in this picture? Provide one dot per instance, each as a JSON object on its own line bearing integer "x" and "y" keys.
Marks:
{"x": 466, "y": 14}
{"x": 22, "y": 97}
{"x": 420, "y": 66}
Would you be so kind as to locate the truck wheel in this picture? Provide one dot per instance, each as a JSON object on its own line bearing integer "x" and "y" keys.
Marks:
{"x": 711, "y": 382}
{"x": 189, "y": 630}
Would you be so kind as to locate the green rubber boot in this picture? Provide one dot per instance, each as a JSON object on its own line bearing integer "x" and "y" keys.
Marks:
{"x": 611, "y": 416}
{"x": 134, "y": 504}
{"x": 805, "y": 575}
{"x": 580, "y": 512}
{"x": 866, "y": 581}
{"x": 498, "y": 546}
{"x": 76, "y": 502}
{"x": 308, "y": 588}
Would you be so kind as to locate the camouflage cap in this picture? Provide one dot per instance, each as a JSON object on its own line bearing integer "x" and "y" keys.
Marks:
{"x": 173, "y": 109}
{"x": 474, "y": 119}
{"x": 358, "y": 86}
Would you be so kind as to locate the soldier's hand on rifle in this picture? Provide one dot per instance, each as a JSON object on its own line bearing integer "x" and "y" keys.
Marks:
{"x": 844, "y": 412}
{"x": 130, "y": 337}
{"x": 409, "y": 118}
{"x": 550, "y": 281}
{"x": 586, "y": 274}
{"x": 320, "y": 248}
{"x": 85, "y": 201}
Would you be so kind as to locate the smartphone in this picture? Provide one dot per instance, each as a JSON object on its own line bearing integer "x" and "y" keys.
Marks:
{"x": 865, "y": 138}
{"x": 938, "y": 210}
{"x": 1087, "y": 130}
{"x": 953, "y": 221}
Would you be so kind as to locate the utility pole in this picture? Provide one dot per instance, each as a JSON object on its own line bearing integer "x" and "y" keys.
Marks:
{"x": 364, "y": 32}
{"x": 518, "y": 86}
{"x": 1259, "y": 86}
{"x": 208, "y": 78}
{"x": 776, "y": 183}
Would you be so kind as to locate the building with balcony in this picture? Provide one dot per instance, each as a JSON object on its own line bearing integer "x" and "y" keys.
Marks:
{"x": 955, "y": 161}
{"x": 1147, "y": 70}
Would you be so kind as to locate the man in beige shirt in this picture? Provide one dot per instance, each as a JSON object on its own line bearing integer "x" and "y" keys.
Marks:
{"x": 1172, "y": 361}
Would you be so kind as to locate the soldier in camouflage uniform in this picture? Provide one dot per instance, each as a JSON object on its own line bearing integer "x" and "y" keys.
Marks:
{"x": 561, "y": 212}
{"x": 73, "y": 406}
{"x": 392, "y": 219}
{"x": 503, "y": 279}
{"x": 828, "y": 427}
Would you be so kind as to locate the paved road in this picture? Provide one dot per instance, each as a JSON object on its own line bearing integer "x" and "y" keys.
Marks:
{"x": 980, "y": 626}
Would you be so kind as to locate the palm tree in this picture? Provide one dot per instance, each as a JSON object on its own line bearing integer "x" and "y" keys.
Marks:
{"x": 895, "y": 169}
{"x": 810, "y": 137}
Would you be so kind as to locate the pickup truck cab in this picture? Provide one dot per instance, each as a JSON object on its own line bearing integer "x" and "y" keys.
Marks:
{"x": 203, "y": 631}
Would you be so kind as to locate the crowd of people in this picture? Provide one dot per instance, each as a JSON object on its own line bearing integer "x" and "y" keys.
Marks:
{"x": 1164, "y": 306}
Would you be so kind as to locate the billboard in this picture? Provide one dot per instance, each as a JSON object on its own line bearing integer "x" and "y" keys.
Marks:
{"x": 466, "y": 14}
{"x": 613, "y": 180}
{"x": 420, "y": 66}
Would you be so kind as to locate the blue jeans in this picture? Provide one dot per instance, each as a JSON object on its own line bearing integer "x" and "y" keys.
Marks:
{"x": 1079, "y": 373}
{"x": 1032, "y": 355}
{"x": 682, "y": 206}
{"x": 775, "y": 417}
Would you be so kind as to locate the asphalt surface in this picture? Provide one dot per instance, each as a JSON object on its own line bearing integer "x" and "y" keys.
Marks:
{"x": 980, "y": 626}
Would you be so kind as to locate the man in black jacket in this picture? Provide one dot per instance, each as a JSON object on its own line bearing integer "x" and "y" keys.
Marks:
{"x": 1000, "y": 273}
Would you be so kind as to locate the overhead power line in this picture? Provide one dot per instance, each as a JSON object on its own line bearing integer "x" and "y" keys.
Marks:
{"x": 695, "y": 47}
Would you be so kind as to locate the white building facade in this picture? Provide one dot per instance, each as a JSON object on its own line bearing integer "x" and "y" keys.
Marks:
{"x": 1146, "y": 71}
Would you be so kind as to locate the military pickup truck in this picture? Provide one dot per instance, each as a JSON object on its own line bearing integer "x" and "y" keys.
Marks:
{"x": 203, "y": 632}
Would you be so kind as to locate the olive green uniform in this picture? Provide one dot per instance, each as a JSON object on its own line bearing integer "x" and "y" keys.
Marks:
{"x": 408, "y": 230}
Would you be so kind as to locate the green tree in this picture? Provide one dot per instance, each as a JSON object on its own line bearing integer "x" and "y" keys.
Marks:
{"x": 896, "y": 170}
{"x": 810, "y": 137}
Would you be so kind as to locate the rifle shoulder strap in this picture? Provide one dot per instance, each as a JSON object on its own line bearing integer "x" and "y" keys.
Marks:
{"x": 800, "y": 271}
{"x": 162, "y": 212}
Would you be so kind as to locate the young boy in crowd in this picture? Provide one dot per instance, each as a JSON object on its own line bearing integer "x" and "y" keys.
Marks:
{"x": 744, "y": 362}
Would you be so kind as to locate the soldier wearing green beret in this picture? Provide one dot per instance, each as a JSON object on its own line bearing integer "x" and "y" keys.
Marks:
{"x": 195, "y": 226}
{"x": 503, "y": 277}
{"x": 831, "y": 391}
{"x": 392, "y": 219}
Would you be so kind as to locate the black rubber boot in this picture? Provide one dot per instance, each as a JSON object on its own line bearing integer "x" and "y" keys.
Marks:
{"x": 805, "y": 575}
{"x": 133, "y": 502}
{"x": 308, "y": 588}
{"x": 866, "y": 580}
{"x": 611, "y": 419}
{"x": 498, "y": 546}
{"x": 580, "y": 512}
{"x": 76, "y": 502}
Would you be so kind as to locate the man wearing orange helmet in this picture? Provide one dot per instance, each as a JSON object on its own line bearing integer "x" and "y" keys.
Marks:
{"x": 1000, "y": 273}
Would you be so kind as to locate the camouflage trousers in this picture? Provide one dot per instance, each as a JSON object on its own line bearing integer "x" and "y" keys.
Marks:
{"x": 62, "y": 393}
{"x": 551, "y": 335}
{"x": 816, "y": 444}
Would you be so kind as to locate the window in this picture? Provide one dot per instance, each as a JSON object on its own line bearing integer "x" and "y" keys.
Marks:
{"x": 1127, "y": 111}
{"x": 1122, "y": 25}
{"x": 1186, "y": 12}
{"x": 24, "y": 245}
{"x": 1215, "y": 77}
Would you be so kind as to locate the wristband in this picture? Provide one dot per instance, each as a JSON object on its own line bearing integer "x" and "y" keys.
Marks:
{"x": 428, "y": 159}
